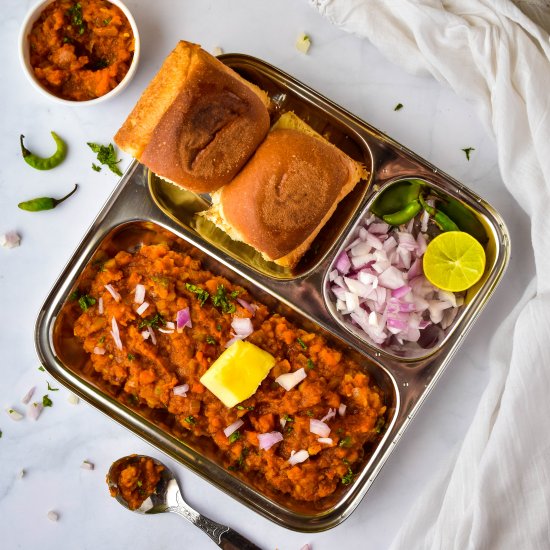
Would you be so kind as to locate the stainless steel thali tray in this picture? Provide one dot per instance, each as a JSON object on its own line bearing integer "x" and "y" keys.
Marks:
{"x": 142, "y": 203}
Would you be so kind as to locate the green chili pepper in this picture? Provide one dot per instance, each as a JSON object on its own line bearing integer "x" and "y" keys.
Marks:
{"x": 44, "y": 203}
{"x": 440, "y": 218}
{"x": 405, "y": 215}
{"x": 396, "y": 197}
{"x": 464, "y": 218}
{"x": 45, "y": 163}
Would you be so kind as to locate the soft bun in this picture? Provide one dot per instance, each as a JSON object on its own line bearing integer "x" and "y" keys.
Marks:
{"x": 286, "y": 192}
{"x": 197, "y": 122}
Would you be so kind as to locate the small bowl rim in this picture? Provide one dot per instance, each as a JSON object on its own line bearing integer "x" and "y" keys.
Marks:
{"x": 32, "y": 15}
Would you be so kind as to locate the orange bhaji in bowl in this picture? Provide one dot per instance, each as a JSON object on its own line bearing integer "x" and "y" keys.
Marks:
{"x": 80, "y": 51}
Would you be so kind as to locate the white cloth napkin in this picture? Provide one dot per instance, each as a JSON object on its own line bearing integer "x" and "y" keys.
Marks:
{"x": 496, "y": 494}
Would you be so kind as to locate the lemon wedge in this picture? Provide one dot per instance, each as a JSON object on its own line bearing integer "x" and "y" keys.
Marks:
{"x": 236, "y": 374}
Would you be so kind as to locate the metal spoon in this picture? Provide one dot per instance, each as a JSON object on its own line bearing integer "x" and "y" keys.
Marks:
{"x": 168, "y": 498}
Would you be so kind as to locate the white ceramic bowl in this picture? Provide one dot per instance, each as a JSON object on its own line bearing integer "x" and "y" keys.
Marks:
{"x": 32, "y": 15}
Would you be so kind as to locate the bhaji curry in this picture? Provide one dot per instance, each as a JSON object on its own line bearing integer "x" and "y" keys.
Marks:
{"x": 318, "y": 429}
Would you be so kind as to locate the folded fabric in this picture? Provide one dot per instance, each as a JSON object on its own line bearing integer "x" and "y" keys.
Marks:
{"x": 496, "y": 493}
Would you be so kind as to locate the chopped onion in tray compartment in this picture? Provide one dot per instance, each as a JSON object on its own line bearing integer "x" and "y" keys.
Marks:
{"x": 379, "y": 286}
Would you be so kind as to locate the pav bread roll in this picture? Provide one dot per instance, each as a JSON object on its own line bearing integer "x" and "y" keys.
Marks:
{"x": 197, "y": 122}
{"x": 286, "y": 192}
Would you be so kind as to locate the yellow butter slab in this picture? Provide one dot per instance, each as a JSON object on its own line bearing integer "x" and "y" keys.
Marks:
{"x": 237, "y": 372}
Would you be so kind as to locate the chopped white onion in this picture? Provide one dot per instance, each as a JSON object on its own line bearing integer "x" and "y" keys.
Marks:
{"x": 53, "y": 516}
{"x": 242, "y": 326}
{"x": 34, "y": 410}
{"x": 14, "y": 415}
{"x": 297, "y": 457}
{"x": 99, "y": 351}
{"x": 342, "y": 409}
{"x": 291, "y": 379}
{"x": 152, "y": 335}
{"x": 115, "y": 333}
{"x": 282, "y": 421}
{"x": 100, "y": 308}
{"x": 233, "y": 427}
{"x": 139, "y": 296}
{"x": 166, "y": 331}
{"x": 181, "y": 390}
{"x": 145, "y": 334}
{"x": 113, "y": 292}
{"x": 170, "y": 325}
{"x": 86, "y": 465}
{"x": 318, "y": 427}
{"x": 27, "y": 397}
{"x": 327, "y": 440}
{"x": 249, "y": 307}
{"x": 142, "y": 308}
{"x": 267, "y": 440}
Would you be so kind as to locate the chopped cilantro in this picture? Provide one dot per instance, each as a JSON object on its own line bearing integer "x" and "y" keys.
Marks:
{"x": 288, "y": 418}
{"x": 309, "y": 413}
{"x": 190, "y": 419}
{"x": 46, "y": 401}
{"x": 96, "y": 167}
{"x": 234, "y": 436}
{"x": 52, "y": 389}
{"x": 75, "y": 13}
{"x": 85, "y": 302}
{"x": 106, "y": 21}
{"x": 41, "y": 368}
{"x": 241, "y": 408}
{"x": 244, "y": 454}
{"x": 202, "y": 295}
{"x": 97, "y": 66}
{"x": 102, "y": 339}
{"x": 348, "y": 478}
{"x": 398, "y": 107}
{"x": 152, "y": 322}
{"x": 467, "y": 151}
{"x": 310, "y": 364}
{"x": 218, "y": 327}
{"x": 139, "y": 483}
{"x": 66, "y": 40}
{"x": 379, "y": 425}
{"x": 106, "y": 154}
{"x": 345, "y": 442}
{"x": 210, "y": 340}
{"x": 73, "y": 296}
{"x": 221, "y": 299}
{"x": 131, "y": 357}
{"x": 160, "y": 280}
{"x": 301, "y": 342}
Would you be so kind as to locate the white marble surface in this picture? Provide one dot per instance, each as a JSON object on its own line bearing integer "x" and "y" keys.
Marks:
{"x": 433, "y": 122}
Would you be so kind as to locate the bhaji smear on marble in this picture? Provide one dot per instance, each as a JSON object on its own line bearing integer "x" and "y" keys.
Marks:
{"x": 304, "y": 442}
{"x": 136, "y": 481}
{"x": 81, "y": 50}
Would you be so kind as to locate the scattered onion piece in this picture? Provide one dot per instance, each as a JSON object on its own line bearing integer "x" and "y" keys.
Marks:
{"x": 249, "y": 307}
{"x": 170, "y": 325}
{"x": 267, "y": 440}
{"x": 242, "y": 326}
{"x": 306, "y": 547}
{"x": 342, "y": 409}
{"x": 183, "y": 319}
{"x": 139, "y": 296}
{"x": 318, "y": 427}
{"x": 86, "y": 465}
{"x": 166, "y": 331}
{"x": 142, "y": 308}
{"x": 291, "y": 379}
{"x": 152, "y": 335}
{"x": 297, "y": 457}
{"x": 113, "y": 292}
{"x": 181, "y": 391}
{"x": 99, "y": 351}
{"x": 27, "y": 397}
{"x": 115, "y": 333}
{"x": 233, "y": 427}
{"x": 326, "y": 440}
{"x": 53, "y": 516}
{"x": 73, "y": 399}
{"x": 145, "y": 334}
{"x": 14, "y": 415}
{"x": 329, "y": 416}
{"x": 100, "y": 308}
{"x": 34, "y": 410}
{"x": 10, "y": 239}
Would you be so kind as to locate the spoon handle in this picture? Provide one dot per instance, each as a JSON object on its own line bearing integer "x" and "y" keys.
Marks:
{"x": 231, "y": 540}
{"x": 223, "y": 536}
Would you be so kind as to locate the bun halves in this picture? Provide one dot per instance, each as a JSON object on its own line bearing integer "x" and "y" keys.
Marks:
{"x": 286, "y": 192}
{"x": 197, "y": 122}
